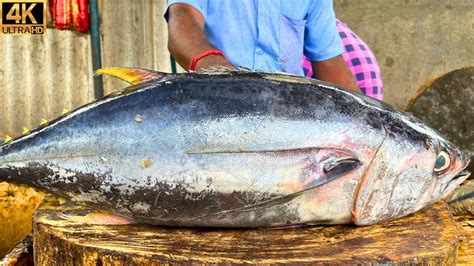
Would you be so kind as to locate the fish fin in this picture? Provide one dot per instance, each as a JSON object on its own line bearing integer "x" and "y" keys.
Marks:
{"x": 338, "y": 169}
{"x": 262, "y": 205}
{"x": 216, "y": 70}
{"x": 66, "y": 111}
{"x": 96, "y": 218}
{"x": 131, "y": 75}
{"x": 62, "y": 200}
{"x": 8, "y": 139}
{"x": 332, "y": 170}
{"x": 273, "y": 202}
{"x": 43, "y": 122}
{"x": 25, "y": 131}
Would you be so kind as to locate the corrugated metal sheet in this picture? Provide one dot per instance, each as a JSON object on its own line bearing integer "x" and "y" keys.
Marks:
{"x": 41, "y": 75}
{"x": 134, "y": 35}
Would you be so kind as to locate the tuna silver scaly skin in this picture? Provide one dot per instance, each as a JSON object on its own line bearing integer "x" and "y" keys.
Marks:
{"x": 239, "y": 149}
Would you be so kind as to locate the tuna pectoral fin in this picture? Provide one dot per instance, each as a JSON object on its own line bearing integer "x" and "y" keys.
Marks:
{"x": 332, "y": 171}
{"x": 131, "y": 75}
{"x": 278, "y": 200}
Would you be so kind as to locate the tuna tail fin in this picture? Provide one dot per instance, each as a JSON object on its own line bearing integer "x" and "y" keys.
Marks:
{"x": 131, "y": 75}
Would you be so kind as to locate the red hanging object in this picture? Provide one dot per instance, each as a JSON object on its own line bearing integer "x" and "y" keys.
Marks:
{"x": 61, "y": 13}
{"x": 70, "y": 14}
{"x": 52, "y": 10}
{"x": 80, "y": 15}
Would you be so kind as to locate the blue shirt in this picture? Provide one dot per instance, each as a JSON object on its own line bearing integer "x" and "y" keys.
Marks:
{"x": 270, "y": 35}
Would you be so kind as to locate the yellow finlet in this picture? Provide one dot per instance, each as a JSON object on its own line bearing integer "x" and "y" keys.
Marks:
{"x": 25, "y": 131}
{"x": 43, "y": 122}
{"x": 66, "y": 111}
{"x": 130, "y": 75}
{"x": 62, "y": 200}
{"x": 8, "y": 139}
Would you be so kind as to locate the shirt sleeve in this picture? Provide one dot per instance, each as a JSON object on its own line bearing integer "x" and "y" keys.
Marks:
{"x": 322, "y": 40}
{"x": 200, "y": 5}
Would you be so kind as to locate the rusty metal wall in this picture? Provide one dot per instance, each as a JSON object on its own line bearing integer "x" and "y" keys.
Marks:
{"x": 42, "y": 75}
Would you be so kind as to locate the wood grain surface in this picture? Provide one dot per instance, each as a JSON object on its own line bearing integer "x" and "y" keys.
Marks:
{"x": 430, "y": 236}
{"x": 466, "y": 250}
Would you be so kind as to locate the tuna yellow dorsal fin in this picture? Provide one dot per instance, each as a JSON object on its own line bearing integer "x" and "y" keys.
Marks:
{"x": 25, "y": 131}
{"x": 43, "y": 122}
{"x": 130, "y": 75}
{"x": 8, "y": 139}
{"x": 66, "y": 111}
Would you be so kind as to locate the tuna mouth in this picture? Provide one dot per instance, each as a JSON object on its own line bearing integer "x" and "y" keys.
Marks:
{"x": 456, "y": 181}
{"x": 464, "y": 174}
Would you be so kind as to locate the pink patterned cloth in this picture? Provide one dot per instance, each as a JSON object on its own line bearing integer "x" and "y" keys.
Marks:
{"x": 361, "y": 62}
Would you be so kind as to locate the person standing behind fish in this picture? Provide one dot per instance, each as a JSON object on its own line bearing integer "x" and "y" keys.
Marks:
{"x": 261, "y": 35}
{"x": 361, "y": 61}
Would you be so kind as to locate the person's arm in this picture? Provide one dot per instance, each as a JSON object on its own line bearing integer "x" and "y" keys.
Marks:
{"x": 323, "y": 46}
{"x": 186, "y": 38}
{"x": 335, "y": 70}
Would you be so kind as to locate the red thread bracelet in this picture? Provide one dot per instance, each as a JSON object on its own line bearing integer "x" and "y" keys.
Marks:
{"x": 196, "y": 59}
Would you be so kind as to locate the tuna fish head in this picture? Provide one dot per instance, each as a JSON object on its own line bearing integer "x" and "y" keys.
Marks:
{"x": 413, "y": 167}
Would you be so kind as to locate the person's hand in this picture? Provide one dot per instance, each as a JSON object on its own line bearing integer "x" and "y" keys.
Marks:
{"x": 214, "y": 63}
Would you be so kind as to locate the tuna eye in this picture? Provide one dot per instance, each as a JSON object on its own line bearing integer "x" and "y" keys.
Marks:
{"x": 442, "y": 162}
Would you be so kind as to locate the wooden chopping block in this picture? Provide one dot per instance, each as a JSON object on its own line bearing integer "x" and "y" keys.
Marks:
{"x": 466, "y": 250}
{"x": 429, "y": 237}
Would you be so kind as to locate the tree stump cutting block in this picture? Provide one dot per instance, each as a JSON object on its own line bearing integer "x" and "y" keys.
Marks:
{"x": 430, "y": 237}
{"x": 466, "y": 250}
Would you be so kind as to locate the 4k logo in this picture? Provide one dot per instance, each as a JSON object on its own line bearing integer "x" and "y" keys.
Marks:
{"x": 22, "y": 17}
